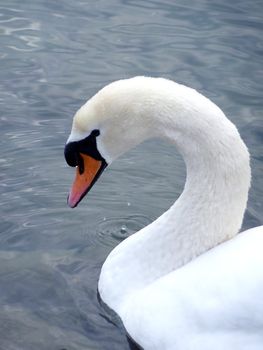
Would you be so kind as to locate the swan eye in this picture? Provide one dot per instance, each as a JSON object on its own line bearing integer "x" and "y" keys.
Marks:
{"x": 86, "y": 146}
{"x": 95, "y": 133}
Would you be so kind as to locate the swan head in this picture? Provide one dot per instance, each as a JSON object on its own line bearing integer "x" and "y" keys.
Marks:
{"x": 106, "y": 126}
{"x": 127, "y": 112}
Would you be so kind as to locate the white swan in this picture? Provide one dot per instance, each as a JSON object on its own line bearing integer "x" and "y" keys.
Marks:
{"x": 171, "y": 290}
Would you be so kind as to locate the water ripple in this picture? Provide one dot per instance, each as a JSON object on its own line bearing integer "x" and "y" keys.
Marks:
{"x": 111, "y": 231}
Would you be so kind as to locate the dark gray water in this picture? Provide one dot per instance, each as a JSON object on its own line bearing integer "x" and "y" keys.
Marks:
{"x": 54, "y": 55}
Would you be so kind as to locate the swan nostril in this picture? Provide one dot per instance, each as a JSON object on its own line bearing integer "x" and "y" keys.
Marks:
{"x": 80, "y": 164}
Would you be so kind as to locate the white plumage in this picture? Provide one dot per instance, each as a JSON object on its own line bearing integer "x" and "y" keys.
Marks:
{"x": 186, "y": 281}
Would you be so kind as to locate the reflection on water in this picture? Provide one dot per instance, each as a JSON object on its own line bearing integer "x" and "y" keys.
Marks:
{"x": 53, "y": 57}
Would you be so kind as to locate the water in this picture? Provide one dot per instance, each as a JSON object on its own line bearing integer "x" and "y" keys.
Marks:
{"x": 54, "y": 55}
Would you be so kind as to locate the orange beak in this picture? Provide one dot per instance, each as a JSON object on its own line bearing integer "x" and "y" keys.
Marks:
{"x": 85, "y": 180}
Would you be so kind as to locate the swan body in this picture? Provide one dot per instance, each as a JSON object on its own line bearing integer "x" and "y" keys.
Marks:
{"x": 212, "y": 302}
{"x": 186, "y": 281}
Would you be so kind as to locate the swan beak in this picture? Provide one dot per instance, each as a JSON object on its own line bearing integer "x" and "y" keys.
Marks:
{"x": 85, "y": 178}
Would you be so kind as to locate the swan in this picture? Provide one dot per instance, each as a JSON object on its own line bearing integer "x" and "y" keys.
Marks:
{"x": 187, "y": 281}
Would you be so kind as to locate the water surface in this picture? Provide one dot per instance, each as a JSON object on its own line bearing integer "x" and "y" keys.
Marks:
{"x": 54, "y": 56}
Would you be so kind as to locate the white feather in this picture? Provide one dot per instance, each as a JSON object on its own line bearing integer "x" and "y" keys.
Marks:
{"x": 176, "y": 284}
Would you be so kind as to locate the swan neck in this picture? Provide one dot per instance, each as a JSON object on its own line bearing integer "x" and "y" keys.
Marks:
{"x": 211, "y": 207}
{"x": 209, "y": 210}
